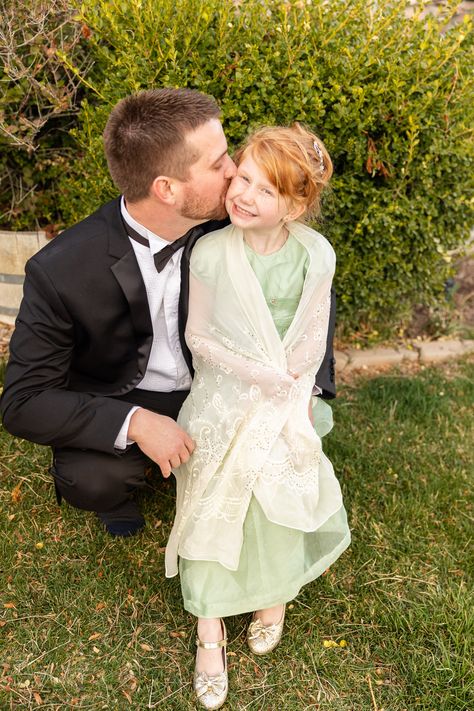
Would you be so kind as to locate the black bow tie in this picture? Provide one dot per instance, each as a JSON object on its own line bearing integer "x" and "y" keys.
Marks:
{"x": 162, "y": 257}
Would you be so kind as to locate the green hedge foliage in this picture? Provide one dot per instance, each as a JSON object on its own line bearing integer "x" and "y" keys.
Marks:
{"x": 391, "y": 97}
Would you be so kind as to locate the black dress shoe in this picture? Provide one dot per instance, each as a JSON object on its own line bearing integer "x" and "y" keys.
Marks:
{"x": 124, "y": 520}
{"x": 123, "y": 528}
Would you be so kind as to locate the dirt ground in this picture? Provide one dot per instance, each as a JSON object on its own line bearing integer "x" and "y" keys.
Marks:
{"x": 464, "y": 294}
{"x": 5, "y": 333}
{"x": 454, "y": 317}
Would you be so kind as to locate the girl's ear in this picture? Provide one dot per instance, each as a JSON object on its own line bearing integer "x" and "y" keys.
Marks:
{"x": 295, "y": 212}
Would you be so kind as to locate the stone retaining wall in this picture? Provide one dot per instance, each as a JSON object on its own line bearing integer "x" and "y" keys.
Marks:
{"x": 15, "y": 250}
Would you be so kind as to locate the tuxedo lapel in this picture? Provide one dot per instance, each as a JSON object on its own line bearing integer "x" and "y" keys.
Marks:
{"x": 184, "y": 296}
{"x": 127, "y": 274}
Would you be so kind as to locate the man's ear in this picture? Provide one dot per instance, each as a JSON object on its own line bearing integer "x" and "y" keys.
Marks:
{"x": 164, "y": 189}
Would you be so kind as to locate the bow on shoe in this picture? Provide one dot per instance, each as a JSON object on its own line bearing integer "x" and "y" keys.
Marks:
{"x": 205, "y": 684}
{"x": 257, "y": 630}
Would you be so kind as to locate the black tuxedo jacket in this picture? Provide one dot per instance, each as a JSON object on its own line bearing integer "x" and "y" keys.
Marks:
{"x": 83, "y": 335}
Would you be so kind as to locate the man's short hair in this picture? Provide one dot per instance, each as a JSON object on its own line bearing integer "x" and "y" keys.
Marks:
{"x": 145, "y": 137}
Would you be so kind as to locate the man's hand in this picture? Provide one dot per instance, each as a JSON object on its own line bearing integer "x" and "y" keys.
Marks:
{"x": 161, "y": 439}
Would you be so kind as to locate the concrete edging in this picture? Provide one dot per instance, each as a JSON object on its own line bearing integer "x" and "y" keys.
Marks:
{"x": 417, "y": 351}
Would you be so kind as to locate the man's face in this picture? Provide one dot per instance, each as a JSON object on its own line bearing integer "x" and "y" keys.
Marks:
{"x": 203, "y": 195}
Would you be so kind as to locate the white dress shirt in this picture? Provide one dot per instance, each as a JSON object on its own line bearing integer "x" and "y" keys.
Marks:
{"x": 166, "y": 369}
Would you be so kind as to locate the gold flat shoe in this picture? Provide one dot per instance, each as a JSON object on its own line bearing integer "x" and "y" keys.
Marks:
{"x": 261, "y": 638}
{"x": 211, "y": 691}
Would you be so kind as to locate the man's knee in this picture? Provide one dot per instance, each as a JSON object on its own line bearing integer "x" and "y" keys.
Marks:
{"x": 95, "y": 481}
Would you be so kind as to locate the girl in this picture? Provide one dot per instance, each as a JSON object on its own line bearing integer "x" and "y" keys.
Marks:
{"x": 259, "y": 510}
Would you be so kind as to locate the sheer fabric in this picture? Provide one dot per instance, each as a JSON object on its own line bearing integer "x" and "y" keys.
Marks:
{"x": 275, "y": 563}
{"x": 247, "y": 409}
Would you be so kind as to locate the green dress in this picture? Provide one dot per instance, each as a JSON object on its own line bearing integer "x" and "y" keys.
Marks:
{"x": 275, "y": 561}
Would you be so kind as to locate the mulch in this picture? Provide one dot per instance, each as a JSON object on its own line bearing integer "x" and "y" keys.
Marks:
{"x": 5, "y": 334}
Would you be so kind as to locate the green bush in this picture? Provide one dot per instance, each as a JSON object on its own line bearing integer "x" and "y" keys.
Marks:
{"x": 38, "y": 98}
{"x": 391, "y": 97}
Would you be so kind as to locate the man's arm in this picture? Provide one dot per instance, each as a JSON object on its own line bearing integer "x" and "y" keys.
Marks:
{"x": 36, "y": 403}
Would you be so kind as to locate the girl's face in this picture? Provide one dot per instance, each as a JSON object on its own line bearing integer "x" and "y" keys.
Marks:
{"x": 252, "y": 202}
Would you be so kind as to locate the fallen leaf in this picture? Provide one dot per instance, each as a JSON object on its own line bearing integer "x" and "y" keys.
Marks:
{"x": 9, "y": 605}
{"x": 100, "y": 606}
{"x": 16, "y": 494}
{"x": 96, "y": 635}
{"x": 38, "y": 698}
{"x": 146, "y": 647}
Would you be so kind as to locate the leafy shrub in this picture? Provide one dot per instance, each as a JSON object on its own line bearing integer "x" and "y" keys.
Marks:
{"x": 391, "y": 97}
{"x": 38, "y": 96}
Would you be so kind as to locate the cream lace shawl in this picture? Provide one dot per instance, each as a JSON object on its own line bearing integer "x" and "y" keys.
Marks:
{"x": 248, "y": 406}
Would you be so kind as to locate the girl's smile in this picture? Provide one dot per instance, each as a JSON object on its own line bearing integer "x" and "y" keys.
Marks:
{"x": 238, "y": 210}
{"x": 253, "y": 202}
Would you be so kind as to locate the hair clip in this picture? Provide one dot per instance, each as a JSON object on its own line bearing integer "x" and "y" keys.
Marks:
{"x": 319, "y": 153}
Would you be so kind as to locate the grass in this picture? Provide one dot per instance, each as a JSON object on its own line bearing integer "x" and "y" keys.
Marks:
{"x": 89, "y": 622}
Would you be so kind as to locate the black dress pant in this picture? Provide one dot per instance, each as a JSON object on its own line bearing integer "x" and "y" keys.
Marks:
{"x": 96, "y": 481}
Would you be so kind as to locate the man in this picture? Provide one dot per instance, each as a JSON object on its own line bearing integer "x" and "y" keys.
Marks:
{"x": 99, "y": 366}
